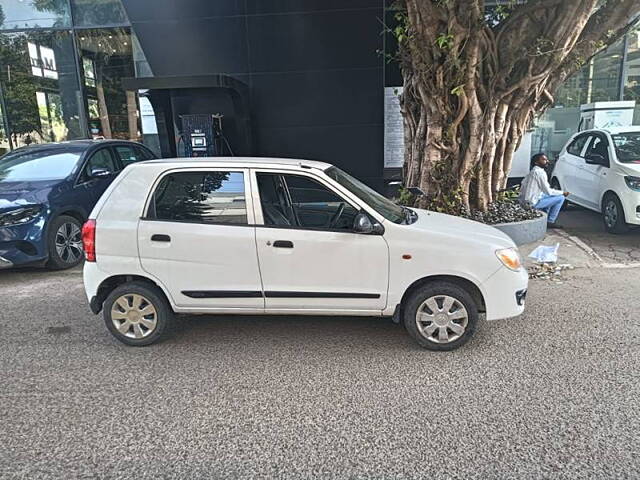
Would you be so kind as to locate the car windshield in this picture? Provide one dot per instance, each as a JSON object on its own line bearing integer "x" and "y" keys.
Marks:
{"x": 380, "y": 204}
{"x": 21, "y": 166}
{"x": 627, "y": 146}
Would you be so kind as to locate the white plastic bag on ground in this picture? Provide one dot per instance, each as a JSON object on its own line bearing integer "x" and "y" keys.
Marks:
{"x": 545, "y": 254}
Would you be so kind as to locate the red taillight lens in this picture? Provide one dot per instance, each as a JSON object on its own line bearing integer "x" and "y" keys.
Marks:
{"x": 89, "y": 240}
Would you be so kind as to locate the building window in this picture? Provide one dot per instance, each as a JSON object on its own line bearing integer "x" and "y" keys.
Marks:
{"x": 107, "y": 58}
{"x": 19, "y": 14}
{"x": 92, "y": 13}
{"x": 39, "y": 82}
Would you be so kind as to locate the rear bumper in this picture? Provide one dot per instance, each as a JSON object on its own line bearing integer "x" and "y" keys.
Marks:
{"x": 505, "y": 293}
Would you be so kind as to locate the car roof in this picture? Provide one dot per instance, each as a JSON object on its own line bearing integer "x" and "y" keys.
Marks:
{"x": 70, "y": 145}
{"x": 614, "y": 130}
{"x": 247, "y": 162}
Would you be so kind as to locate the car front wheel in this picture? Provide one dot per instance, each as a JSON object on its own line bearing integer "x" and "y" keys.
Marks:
{"x": 64, "y": 243}
{"x": 613, "y": 215}
{"x": 441, "y": 316}
{"x": 137, "y": 313}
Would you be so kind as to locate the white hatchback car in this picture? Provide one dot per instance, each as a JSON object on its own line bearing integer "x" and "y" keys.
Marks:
{"x": 273, "y": 236}
{"x": 601, "y": 170}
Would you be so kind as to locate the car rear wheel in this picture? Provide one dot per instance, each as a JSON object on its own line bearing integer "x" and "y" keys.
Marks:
{"x": 613, "y": 215}
{"x": 64, "y": 243}
{"x": 441, "y": 316}
{"x": 137, "y": 313}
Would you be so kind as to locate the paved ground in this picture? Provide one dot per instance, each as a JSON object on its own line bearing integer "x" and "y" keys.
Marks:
{"x": 553, "y": 394}
{"x": 587, "y": 226}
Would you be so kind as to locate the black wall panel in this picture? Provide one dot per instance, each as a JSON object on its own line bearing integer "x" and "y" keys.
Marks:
{"x": 315, "y": 76}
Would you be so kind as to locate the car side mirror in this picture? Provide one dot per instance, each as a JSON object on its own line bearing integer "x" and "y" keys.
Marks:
{"x": 363, "y": 224}
{"x": 98, "y": 172}
{"x": 595, "y": 159}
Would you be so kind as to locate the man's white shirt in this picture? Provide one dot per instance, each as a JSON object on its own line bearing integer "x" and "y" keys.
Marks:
{"x": 536, "y": 185}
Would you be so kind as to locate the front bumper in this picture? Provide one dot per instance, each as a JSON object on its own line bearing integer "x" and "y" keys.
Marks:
{"x": 631, "y": 206}
{"x": 23, "y": 244}
{"x": 505, "y": 292}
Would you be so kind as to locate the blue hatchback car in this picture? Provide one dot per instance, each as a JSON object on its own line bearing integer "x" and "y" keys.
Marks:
{"x": 46, "y": 193}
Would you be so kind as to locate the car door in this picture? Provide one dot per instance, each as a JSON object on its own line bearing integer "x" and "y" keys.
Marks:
{"x": 569, "y": 165}
{"x": 592, "y": 177}
{"x": 96, "y": 174}
{"x": 310, "y": 257}
{"x": 197, "y": 237}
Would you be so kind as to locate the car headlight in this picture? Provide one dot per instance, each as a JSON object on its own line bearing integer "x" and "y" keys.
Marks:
{"x": 510, "y": 258}
{"x": 633, "y": 183}
{"x": 19, "y": 215}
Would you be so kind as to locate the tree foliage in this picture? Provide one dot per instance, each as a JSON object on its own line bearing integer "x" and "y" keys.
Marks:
{"x": 475, "y": 77}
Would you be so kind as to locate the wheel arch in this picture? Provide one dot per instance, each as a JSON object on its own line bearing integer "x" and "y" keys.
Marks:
{"x": 462, "y": 282}
{"x": 109, "y": 284}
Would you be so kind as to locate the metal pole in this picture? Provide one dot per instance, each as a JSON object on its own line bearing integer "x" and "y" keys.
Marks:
{"x": 623, "y": 66}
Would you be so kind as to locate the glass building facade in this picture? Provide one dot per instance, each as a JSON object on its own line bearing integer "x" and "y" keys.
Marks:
{"x": 62, "y": 63}
{"x": 61, "y": 66}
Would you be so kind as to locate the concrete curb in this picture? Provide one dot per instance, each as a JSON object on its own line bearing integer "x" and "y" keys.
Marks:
{"x": 526, "y": 231}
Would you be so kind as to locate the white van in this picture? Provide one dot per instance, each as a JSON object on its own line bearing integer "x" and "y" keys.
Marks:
{"x": 274, "y": 236}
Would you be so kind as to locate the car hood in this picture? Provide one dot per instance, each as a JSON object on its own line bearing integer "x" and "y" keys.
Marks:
{"x": 450, "y": 225}
{"x": 631, "y": 169}
{"x": 17, "y": 194}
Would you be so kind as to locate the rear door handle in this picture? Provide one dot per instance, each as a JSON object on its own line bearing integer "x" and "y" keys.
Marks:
{"x": 283, "y": 244}
{"x": 160, "y": 237}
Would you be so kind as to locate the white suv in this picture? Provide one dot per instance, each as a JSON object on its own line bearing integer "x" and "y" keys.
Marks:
{"x": 272, "y": 236}
{"x": 601, "y": 170}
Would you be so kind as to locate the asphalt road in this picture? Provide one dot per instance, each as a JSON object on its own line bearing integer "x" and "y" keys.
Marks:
{"x": 553, "y": 394}
{"x": 587, "y": 226}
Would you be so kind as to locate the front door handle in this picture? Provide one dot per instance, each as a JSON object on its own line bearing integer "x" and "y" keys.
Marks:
{"x": 160, "y": 237}
{"x": 283, "y": 244}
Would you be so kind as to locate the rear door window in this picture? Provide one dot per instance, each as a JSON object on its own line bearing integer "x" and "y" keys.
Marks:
{"x": 127, "y": 155}
{"x": 209, "y": 197}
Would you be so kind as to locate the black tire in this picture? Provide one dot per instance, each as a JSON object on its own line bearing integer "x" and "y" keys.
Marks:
{"x": 64, "y": 232}
{"x": 613, "y": 215}
{"x": 152, "y": 296}
{"x": 440, "y": 289}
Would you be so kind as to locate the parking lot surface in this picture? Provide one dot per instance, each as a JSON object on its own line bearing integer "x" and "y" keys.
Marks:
{"x": 588, "y": 227}
{"x": 552, "y": 394}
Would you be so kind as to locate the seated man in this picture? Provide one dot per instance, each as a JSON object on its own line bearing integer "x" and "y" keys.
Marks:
{"x": 536, "y": 191}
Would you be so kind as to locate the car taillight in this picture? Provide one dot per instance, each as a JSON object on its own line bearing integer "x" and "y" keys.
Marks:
{"x": 89, "y": 240}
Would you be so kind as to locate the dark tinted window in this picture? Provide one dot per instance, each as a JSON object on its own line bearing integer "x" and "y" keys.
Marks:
{"x": 201, "y": 197}
{"x": 128, "y": 155}
{"x": 144, "y": 154}
{"x": 100, "y": 160}
{"x": 598, "y": 146}
{"x": 575, "y": 148}
{"x": 25, "y": 166}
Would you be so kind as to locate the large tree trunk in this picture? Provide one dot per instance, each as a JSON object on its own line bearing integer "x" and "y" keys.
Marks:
{"x": 471, "y": 89}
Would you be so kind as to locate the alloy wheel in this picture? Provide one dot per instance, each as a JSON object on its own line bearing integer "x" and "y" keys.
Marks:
{"x": 134, "y": 316}
{"x": 610, "y": 213}
{"x": 442, "y": 319}
{"x": 69, "y": 243}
